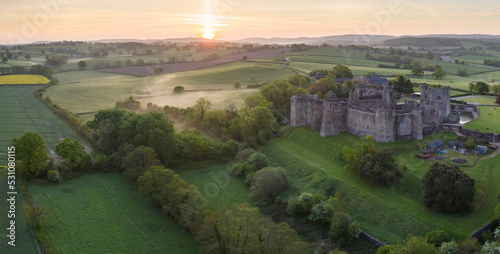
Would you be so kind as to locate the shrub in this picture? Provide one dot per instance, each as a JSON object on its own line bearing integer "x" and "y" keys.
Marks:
{"x": 268, "y": 183}
{"x": 343, "y": 228}
{"x": 178, "y": 89}
{"x": 491, "y": 248}
{"x": 53, "y": 174}
{"x": 449, "y": 248}
{"x": 437, "y": 237}
{"x": 302, "y": 204}
{"x": 379, "y": 167}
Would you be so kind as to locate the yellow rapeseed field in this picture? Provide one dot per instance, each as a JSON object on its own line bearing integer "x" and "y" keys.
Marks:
{"x": 23, "y": 79}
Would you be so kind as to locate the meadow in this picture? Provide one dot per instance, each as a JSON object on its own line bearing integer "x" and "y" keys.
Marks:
{"x": 389, "y": 214}
{"x": 488, "y": 118}
{"x": 105, "y": 213}
{"x": 23, "y": 79}
{"x": 22, "y": 112}
{"x": 487, "y": 100}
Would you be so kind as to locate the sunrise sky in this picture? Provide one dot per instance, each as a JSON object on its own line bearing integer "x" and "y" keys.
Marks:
{"x": 40, "y": 20}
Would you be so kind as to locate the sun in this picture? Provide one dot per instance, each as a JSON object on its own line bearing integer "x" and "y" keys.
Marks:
{"x": 208, "y": 33}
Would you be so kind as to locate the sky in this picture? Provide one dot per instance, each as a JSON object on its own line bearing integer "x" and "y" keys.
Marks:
{"x": 24, "y": 21}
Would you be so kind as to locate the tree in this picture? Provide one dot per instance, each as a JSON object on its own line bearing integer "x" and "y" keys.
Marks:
{"x": 417, "y": 71}
{"x": 27, "y": 57}
{"x": 158, "y": 70}
{"x": 462, "y": 72}
{"x": 30, "y": 150}
{"x": 415, "y": 245}
{"x": 343, "y": 228}
{"x": 416, "y": 64}
{"x": 469, "y": 245}
{"x": 138, "y": 161}
{"x": 481, "y": 87}
{"x": 202, "y": 105}
{"x": 268, "y": 183}
{"x": 447, "y": 189}
{"x": 342, "y": 71}
{"x": 402, "y": 84}
{"x": 378, "y": 166}
{"x": 178, "y": 89}
{"x": 471, "y": 87}
{"x": 438, "y": 73}
{"x": 237, "y": 84}
{"x": 34, "y": 211}
{"x": 470, "y": 144}
{"x": 82, "y": 65}
{"x": 5, "y": 59}
{"x": 129, "y": 63}
{"x": 437, "y": 237}
{"x": 73, "y": 153}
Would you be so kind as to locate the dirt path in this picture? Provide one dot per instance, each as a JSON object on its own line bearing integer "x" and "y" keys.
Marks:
{"x": 142, "y": 71}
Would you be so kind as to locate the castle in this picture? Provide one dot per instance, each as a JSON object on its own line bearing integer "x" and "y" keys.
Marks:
{"x": 372, "y": 109}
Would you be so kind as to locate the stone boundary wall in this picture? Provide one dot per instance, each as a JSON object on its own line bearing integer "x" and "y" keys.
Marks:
{"x": 372, "y": 239}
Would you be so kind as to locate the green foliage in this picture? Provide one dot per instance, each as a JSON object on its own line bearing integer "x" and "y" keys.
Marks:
{"x": 158, "y": 70}
{"x": 497, "y": 210}
{"x": 343, "y": 228}
{"x": 201, "y": 107}
{"x": 353, "y": 155}
{"x": 447, "y": 189}
{"x": 449, "y": 248}
{"x": 248, "y": 162}
{"x": 245, "y": 230}
{"x": 471, "y": 87}
{"x": 174, "y": 195}
{"x": 323, "y": 211}
{"x": 481, "y": 87}
{"x": 53, "y": 175}
{"x": 73, "y": 153}
{"x": 438, "y": 73}
{"x": 302, "y": 204}
{"x": 138, "y": 161}
{"x": 237, "y": 84}
{"x": 469, "y": 245}
{"x": 415, "y": 245}
{"x": 129, "y": 103}
{"x": 470, "y": 144}
{"x": 385, "y": 249}
{"x": 195, "y": 146}
{"x": 462, "y": 72}
{"x": 268, "y": 183}
{"x": 34, "y": 212}
{"x": 342, "y": 71}
{"x": 256, "y": 125}
{"x": 379, "y": 166}
{"x": 491, "y": 248}
{"x": 30, "y": 151}
{"x": 82, "y": 65}
{"x": 417, "y": 71}
{"x": 402, "y": 84}
{"x": 178, "y": 89}
{"x": 437, "y": 237}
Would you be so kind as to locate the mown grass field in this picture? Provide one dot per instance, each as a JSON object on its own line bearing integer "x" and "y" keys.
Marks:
{"x": 488, "y": 118}
{"x": 24, "y": 79}
{"x": 218, "y": 188}
{"x": 90, "y": 91}
{"x": 389, "y": 214}
{"x": 102, "y": 213}
{"x": 21, "y": 112}
{"x": 488, "y": 100}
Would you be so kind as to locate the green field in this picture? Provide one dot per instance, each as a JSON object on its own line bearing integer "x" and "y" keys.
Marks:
{"x": 389, "y": 214}
{"x": 22, "y": 112}
{"x": 218, "y": 187}
{"x": 487, "y": 100}
{"x": 23, "y": 79}
{"x": 102, "y": 213}
{"x": 25, "y": 242}
{"x": 488, "y": 118}
{"x": 90, "y": 91}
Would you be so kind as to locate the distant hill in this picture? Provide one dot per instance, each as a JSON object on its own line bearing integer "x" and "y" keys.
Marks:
{"x": 334, "y": 40}
{"x": 445, "y": 40}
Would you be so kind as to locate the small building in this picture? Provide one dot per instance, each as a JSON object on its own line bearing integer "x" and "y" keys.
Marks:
{"x": 455, "y": 145}
{"x": 435, "y": 146}
{"x": 480, "y": 150}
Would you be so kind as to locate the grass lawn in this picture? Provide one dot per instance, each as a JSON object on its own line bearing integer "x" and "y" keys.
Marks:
{"x": 488, "y": 118}
{"x": 389, "y": 214}
{"x": 218, "y": 187}
{"x": 21, "y": 112}
{"x": 23, "y": 79}
{"x": 488, "y": 100}
{"x": 102, "y": 213}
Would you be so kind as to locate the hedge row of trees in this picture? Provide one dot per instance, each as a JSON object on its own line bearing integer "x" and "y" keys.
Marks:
{"x": 35, "y": 69}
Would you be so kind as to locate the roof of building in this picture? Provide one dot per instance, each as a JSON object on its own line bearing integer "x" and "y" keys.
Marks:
{"x": 435, "y": 144}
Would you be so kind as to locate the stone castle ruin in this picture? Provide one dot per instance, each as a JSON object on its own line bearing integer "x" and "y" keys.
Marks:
{"x": 372, "y": 109}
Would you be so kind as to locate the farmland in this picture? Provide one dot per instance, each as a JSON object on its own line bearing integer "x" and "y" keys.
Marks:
{"x": 22, "y": 112}
{"x": 488, "y": 120}
{"x": 487, "y": 100}
{"x": 24, "y": 79}
{"x": 104, "y": 212}
{"x": 389, "y": 214}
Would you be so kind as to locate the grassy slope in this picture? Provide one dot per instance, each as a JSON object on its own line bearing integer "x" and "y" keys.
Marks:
{"x": 218, "y": 187}
{"x": 488, "y": 100}
{"x": 489, "y": 117}
{"x": 103, "y": 213}
{"x": 387, "y": 213}
{"x": 24, "y": 79}
{"x": 22, "y": 112}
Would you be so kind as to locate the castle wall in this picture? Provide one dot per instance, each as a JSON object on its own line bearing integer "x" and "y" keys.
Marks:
{"x": 385, "y": 126}
{"x": 315, "y": 113}
{"x": 334, "y": 118}
{"x": 360, "y": 123}
{"x": 298, "y": 116}
{"x": 418, "y": 124}
{"x": 404, "y": 126}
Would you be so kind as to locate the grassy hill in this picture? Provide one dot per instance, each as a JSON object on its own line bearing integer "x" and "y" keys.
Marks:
{"x": 389, "y": 214}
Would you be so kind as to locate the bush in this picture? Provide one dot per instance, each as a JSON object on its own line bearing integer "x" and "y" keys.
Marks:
{"x": 343, "y": 228}
{"x": 491, "y": 248}
{"x": 415, "y": 245}
{"x": 449, "y": 248}
{"x": 251, "y": 164}
{"x": 268, "y": 183}
{"x": 437, "y": 237}
{"x": 447, "y": 189}
{"x": 302, "y": 204}
{"x": 53, "y": 174}
{"x": 178, "y": 89}
{"x": 379, "y": 167}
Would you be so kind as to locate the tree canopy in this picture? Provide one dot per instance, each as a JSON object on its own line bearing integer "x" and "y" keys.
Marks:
{"x": 30, "y": 151}
{"x": 73, "y": 152}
